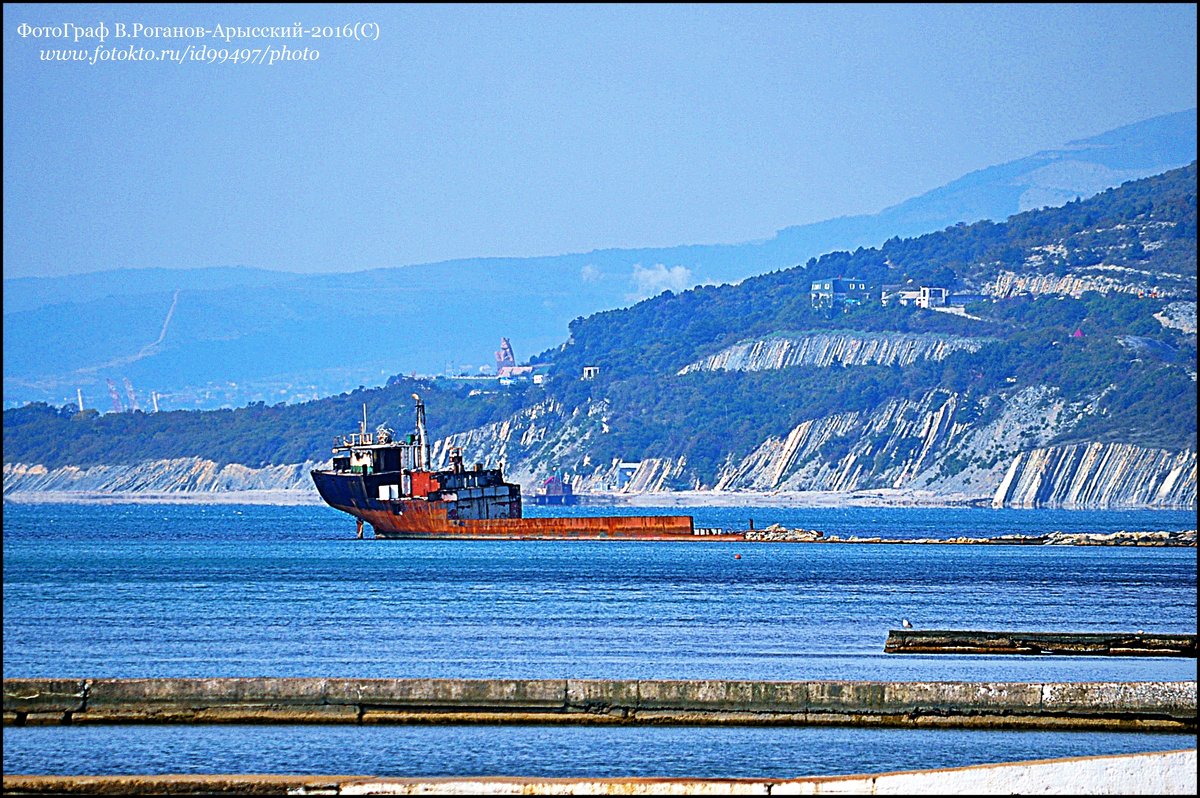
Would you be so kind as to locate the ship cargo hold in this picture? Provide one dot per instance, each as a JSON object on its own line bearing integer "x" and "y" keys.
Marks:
{"x": 388, "y": 482}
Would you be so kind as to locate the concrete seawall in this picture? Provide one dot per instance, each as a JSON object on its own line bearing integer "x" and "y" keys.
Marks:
{"x": 1092, "y": 644}
{"x": 1125, "y": 706}
{"x": 1158, "y": 773}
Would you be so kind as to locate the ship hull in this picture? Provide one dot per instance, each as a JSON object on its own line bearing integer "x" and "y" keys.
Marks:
{"x": 416, "y": 518}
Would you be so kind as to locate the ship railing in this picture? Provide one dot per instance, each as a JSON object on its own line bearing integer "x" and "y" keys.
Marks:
{"x": 710, "y": 530}
{"x": 353, "y": 439}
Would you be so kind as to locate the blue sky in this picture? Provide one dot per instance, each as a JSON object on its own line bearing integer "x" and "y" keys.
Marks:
{"x": 525, "y": 130}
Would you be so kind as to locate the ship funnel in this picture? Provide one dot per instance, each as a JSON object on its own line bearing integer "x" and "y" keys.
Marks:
{"x": 422, "y": 436}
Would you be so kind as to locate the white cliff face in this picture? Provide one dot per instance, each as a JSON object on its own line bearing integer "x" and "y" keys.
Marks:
{"x": 997, "y": 449}
{"x": 934, "y": 443}
{"x": 1099, "y": 475}
{"x": 832, "y": 349}
{"x": 1049, "y": 269}
{"x": 992, "y": 450}
{"x": 1105, "y": 279}
{"x": 542, "y": 440}
{"x": 653, "y": 475}
{"x": 188, "y": 474}
{"x": 546, "y": 439}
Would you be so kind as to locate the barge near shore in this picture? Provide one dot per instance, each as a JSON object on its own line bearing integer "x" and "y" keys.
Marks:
{"x": 390, "y": 484}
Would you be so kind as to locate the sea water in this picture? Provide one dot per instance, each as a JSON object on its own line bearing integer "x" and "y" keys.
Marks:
{"x": 226, "y": 590}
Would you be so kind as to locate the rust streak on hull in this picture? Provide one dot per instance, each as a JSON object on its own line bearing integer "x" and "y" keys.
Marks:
{"x": 426, "y": 520}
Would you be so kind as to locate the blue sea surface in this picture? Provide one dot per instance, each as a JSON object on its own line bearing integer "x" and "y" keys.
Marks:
{"x": 220, "y": 590}
{"x": 545, "y": 751}
{"x": 230, "y": 590}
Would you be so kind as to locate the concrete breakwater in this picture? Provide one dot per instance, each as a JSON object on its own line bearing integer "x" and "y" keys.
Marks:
{"x": 911, "y": 641}
{"x": 1125, "y": 706}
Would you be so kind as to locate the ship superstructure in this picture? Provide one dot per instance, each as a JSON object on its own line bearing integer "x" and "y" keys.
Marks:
{"x": 389, "y": 483}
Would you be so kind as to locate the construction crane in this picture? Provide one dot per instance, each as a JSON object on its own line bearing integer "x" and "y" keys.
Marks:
{"x": 133, "y": 402}
{"x": 116, "y": 400}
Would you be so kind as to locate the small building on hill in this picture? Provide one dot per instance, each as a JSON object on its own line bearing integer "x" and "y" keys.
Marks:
{"x": 838, "y": 291}
{"x": 925, "y": 296}
{"x": 899, "y": 295}
{"x": 932, "y": 297}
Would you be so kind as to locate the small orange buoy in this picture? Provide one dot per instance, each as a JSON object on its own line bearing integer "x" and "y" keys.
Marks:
{"x": 737, "y": 556}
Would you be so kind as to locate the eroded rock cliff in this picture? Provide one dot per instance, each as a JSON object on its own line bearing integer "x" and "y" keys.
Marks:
{"x": 189, "y": 474}
{"x": 994, "y": 448}
{"x": 1104, "y": 279}
{"x": 1099, "y": 475}
{"x": 829, "y": 349}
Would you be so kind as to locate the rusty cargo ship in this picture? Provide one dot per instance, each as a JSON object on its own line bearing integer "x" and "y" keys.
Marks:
{"x": 389, "y": 483}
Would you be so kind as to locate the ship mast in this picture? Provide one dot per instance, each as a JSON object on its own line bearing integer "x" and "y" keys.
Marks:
{"x": 422, "y": 437}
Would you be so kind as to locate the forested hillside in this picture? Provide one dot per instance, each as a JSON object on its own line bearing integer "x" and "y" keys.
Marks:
{"x": 1062, "y": 339}
{"x": 1139, "y": 373}
{"x": 255, "y": 435}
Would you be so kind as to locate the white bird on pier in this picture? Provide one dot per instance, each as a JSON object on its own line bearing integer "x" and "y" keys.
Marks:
{"x": 904, "y": 622}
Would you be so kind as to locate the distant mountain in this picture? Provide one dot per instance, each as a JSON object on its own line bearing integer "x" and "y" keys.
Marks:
{"x": 1051, "y": 178}
{"x": 31, "y": 293}
{"x": 226, "y": 336}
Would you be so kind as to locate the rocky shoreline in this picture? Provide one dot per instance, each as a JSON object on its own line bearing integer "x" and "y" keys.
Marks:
{"x": 881, "y": 497}
{"x": 1159, "y": 538}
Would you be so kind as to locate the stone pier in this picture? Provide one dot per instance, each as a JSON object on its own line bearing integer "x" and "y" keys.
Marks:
{"x": 1091, "y": 644}
{"x": 1115, "y": 706}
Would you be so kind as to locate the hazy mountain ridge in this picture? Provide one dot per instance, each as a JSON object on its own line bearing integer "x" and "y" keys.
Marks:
{"x": 1079, "y": 169}
{"x": 31, "y": 293}
{"x": 241, "y": 334}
